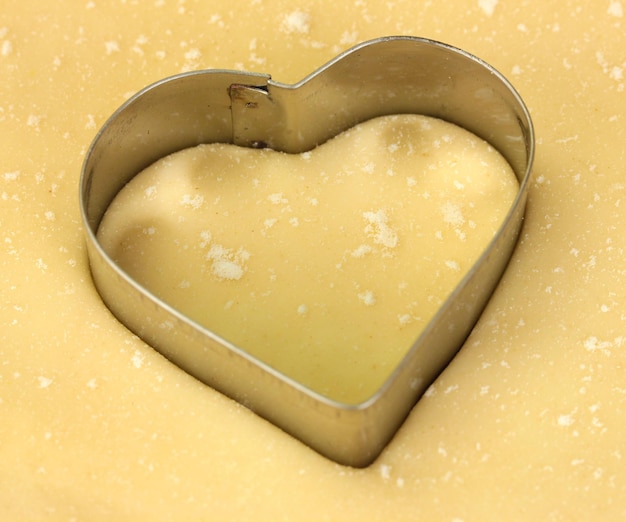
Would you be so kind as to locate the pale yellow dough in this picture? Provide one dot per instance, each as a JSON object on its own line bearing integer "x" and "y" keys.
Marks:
{"x": 325, "y": 265}
{"x": 526, "y": 423}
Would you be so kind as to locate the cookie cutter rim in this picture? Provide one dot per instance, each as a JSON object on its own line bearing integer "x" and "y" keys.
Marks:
{"x": 388, "y": 75}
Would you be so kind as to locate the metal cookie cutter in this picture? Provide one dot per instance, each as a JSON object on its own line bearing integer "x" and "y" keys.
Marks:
{"x": 390, "y": 75}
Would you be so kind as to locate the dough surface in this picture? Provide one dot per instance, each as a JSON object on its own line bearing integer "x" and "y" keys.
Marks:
{"x": 325, "y": 265}
{"x": 526, "y": 423}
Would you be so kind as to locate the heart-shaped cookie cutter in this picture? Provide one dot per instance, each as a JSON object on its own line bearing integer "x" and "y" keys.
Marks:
{"x": 389, "y": 75}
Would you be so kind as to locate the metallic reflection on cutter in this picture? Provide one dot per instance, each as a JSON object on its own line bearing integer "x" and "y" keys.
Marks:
{"x": 390, "y": 75}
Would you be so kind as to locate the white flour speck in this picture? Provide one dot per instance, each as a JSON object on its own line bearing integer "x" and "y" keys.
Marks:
{"x": 91, "y": 122}
{"x": 33, "y": 120}
{"x": 451, "y": 388}
{"x": 452, "y": 265}
{"x": 368, "y": 298}
{"x": 452, "y": 214}
{"x": 168, "y": 324}
{"x": 194, "y": 202}
{"x": 361, "y": 251}
{"x": 404, "y": 319}
{"x": 379, "y": 229}
{"x": 7, "y": 48}
{"x": 369, "y": 168}
{"x": 137, "y": 359}
{"x": 226, "y": 269}
{"x": 216, "y": 19}
{"x": 277, "y": 198}
{"x": 205, "y": 237}
{"x": 192, "y": 59}
{"x": 593, "y": 344}
{"x": 488, "y": 6}
{"x": 40, "y": 263}
{"x": 193, "y": 54}
{"x": 416, "y": 382}
{"x": 296, "y": 22}
{"x": 615, "y": 9}
{"x": 616, "y": 73}
{"x": 226, "y": 263}
{"x": 348, "y": 37}
{"x": 44, "y": 382}
{"x": 111, "y": 46}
